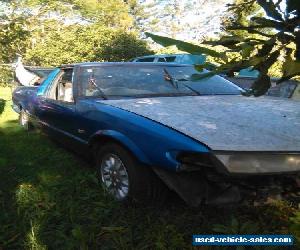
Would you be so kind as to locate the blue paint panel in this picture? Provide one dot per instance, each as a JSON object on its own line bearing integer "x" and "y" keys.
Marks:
{"x": 151, "y": 142}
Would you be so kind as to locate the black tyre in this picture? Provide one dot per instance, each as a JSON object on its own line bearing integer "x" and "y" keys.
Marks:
{"x": 24, "y": 120}
{"x": 125, "y": 179}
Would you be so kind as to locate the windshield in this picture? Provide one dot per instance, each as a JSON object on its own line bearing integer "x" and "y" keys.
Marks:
{"x": 148, "y": 81}
{"x": 215, "y": 85}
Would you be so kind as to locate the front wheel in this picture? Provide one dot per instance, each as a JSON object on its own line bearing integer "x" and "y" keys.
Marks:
{"x": 114, "y": 176}
{"x": 124, "y": 178}
{"x": 24, "y": 120}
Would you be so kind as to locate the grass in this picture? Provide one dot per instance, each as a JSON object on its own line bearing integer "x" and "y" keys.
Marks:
{"x": 50, "y": 199}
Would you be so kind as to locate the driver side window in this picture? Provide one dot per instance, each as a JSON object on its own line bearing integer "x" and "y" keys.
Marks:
{"x": 62, "y": 87}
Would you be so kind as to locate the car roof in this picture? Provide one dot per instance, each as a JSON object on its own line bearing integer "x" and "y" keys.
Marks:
{"x": 137, "y": 64}
{"x": 159, "y": 55}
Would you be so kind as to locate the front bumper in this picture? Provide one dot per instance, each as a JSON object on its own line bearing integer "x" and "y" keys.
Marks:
{"x": 208, "y": 186}
{"x": 254, "y": 189}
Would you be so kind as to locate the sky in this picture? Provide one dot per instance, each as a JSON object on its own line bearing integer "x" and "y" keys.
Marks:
{"x": 199, "y": 18}
{"x": 194, "y": 18}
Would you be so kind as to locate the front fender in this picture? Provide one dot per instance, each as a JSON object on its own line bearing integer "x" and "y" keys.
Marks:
{"x": 152, "y": 143}
{"x": 21, "y": 98}
{"x": 124, "y": 140}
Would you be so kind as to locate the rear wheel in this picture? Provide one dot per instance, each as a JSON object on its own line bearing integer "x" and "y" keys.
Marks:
{"x": 24, "y": 120}
{"x": 125, "y": 179}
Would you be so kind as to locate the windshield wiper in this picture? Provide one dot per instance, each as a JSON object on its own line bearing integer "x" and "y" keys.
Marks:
{"x": 92, "y": 81}
{"x": 174, "y": 82}
{"x": 170, "y": 79}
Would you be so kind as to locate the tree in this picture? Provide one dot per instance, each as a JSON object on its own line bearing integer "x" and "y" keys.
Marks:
{"x": 186, "y": 18}
{"x": 64, "y": 31}
{"x": 13, "y": 35}
{"x": 76, "y": 43}
{"x": 277, "y": 34}
{"x": 237, "y": 14}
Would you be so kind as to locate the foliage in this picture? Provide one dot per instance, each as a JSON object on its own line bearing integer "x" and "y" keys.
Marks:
{"x": 124, "y": 46}
{"x": 167, "y": 50}
{"x": 89, "y": 43}
{"x": 191, "y": 20}
{"x": 111, "y": 13}
{"x": 50, "y": 33}
{"x": 2, "y": 105}
{"x": 51, "y": 199}
{"x": 237, "y": 14}
{"x": 236, "y": 227}
{"x": 6, "y": 75}
{"x": 13, "y": 38}
{"x": 184, "y": 46}
{"x": 295, "y": 225}
{"x": 276, "y": 34}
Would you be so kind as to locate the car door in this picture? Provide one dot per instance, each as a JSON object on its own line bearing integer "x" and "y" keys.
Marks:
{"x": 56, "y": 108}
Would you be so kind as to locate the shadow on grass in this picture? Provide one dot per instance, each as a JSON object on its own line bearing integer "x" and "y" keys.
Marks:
{"x": 50, "y": 199}
{"x": 2, "y": 105}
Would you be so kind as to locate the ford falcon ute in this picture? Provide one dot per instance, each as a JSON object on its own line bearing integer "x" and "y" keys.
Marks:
{"x": 152, "y": 128}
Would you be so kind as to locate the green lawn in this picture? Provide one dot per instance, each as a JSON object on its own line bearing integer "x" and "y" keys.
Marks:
{"x": 50, "y": 199}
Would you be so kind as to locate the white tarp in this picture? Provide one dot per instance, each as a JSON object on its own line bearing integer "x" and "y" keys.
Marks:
{"x": 25, "y": 77}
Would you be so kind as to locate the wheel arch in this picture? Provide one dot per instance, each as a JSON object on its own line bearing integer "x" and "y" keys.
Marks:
{"x": 105, "y": 136}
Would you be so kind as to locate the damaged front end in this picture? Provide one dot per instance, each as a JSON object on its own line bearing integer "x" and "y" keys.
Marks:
{"x": 226, "y": 178}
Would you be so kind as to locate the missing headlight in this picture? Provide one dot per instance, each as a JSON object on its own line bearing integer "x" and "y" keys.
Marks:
{"x": 192, "y": 161}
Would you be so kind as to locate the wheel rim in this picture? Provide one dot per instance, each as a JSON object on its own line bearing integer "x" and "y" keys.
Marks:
{"x": 114, "y": 176}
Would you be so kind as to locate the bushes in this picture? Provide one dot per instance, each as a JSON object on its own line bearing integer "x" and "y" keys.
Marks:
{"x": 77, "y": 43}
{"x": 6, "y": 76}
